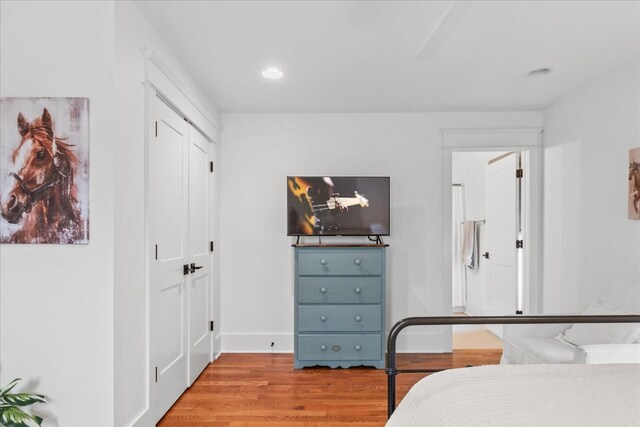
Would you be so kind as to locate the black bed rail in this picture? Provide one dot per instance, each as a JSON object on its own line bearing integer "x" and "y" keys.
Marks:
{"x": 392, "y": 370}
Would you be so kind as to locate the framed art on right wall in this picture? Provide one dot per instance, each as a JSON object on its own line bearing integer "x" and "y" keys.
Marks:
{"x": 634, "y": 183}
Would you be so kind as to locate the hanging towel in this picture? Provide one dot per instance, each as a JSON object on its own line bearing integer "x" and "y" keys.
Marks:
{"x": 470, "y": 248}
{"x": 458, "y": 269}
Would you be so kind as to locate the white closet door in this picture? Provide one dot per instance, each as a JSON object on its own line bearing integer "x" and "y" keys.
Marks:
{"x": 502, "y": 234}
{"x": 168, "y": 202}
{"x": 199, "y": 253}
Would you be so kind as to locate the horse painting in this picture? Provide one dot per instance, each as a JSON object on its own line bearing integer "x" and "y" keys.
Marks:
{"x": 634, "y": 184}
{"x": 40, "y": 200}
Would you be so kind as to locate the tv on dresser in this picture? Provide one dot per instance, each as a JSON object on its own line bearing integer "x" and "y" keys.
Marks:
{"x": 338, "y": 206}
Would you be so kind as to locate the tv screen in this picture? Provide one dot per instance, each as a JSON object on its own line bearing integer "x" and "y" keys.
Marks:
{"x": 337, "y": 206}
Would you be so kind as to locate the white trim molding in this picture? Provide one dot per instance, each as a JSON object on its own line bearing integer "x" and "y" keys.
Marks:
{"x": 164, "y": 81}
{"x": 248, "y": 342}
{"x": 483, "y": 138}
{"x": 527, "y": 140}
{"x": 409, "y": 342}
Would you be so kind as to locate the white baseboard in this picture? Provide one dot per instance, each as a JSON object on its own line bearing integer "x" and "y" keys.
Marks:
{"x": 257, "y": 343}
{"x": 217, "y": 346}
{"x": 408, "y": 342}
{"x": 143, "y": 420}
{"x": 421, "y": 342}
{"x": 476, "y": 310}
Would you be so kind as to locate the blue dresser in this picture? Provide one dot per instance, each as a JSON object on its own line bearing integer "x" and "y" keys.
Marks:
{"x": 339, "y": 305}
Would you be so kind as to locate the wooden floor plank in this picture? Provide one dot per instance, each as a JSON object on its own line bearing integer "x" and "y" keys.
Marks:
{"x": 246, "y": 390}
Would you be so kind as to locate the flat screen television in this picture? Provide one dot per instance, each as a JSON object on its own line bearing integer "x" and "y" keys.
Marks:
{"x": 337, "y": 206}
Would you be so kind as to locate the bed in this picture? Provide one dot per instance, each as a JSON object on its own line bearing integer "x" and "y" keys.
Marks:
{"x": 517, "y": 395}
{"x": 525, "y": 395}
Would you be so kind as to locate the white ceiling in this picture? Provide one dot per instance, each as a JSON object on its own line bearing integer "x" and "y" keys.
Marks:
{"x": 395, "y": 56}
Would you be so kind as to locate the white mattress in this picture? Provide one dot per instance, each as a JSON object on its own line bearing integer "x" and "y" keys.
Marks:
{"x": 525, "y": 395}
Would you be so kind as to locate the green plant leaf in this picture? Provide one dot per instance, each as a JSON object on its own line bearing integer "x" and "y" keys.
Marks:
{"x": 24, "y": 399}
{"x": 11, "y": 416}
{"x": 8, "y": 388}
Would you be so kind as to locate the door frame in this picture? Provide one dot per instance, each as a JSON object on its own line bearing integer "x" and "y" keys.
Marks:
{"x": 497, "y": 139}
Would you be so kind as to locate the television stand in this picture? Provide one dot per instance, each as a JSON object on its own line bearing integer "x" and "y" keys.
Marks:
{"x": 319, "y": 240}
{"x": 376, "y": 239}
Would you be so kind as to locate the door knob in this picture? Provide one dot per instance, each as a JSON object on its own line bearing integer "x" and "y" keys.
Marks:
{"x": 486, "y": 255}
{"x": 194, "y": 267}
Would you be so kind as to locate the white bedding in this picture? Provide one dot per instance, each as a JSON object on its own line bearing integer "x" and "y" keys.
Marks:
{"x": 525, "y": 395}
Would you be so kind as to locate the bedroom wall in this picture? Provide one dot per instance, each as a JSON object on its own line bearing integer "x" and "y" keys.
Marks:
{"x": 133, "y": 33}
{"x": 56, "y": 301}
{"x": 258, "y": 151}
{"x": 588, "y": 240}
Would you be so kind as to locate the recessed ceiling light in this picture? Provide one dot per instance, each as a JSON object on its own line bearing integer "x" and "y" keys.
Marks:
{"x": 540, "y": 72}
{"x": 272, "y": 73}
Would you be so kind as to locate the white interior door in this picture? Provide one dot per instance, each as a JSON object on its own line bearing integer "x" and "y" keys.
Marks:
{"x": 501, "y": 227}
{"x": 168, "y": 197}
{"x": 199, "y": 253}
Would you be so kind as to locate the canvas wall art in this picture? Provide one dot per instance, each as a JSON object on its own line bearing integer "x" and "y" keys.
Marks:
{"x": 44, "y": 170}
{"x": 634, "y": 183}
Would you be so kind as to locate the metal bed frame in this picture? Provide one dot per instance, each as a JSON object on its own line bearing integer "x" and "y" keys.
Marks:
{"x": 392, "y": 371}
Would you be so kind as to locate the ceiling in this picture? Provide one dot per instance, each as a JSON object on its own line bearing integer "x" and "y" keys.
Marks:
{"x": 395, "y": 56}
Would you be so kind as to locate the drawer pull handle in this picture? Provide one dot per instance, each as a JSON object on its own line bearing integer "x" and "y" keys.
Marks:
{"x": 358, "y": 318}
{"x": 357, "y": 261}
{"x": 323, "y": 261}
{"x": 323, "y": 290}
{"x": 357, "y": 290}
{"x": 323, "y": 318}
{"x": 357, "y": 347}
{"x": 323, "y": 347}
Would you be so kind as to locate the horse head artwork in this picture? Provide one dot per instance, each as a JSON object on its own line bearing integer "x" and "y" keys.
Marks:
{"x": 634, "y": 188}
{"x": 41, "y": 197}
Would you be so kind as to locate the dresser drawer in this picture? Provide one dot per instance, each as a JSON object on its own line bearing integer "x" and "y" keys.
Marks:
{"x": 340, "y": 347}
{"x": 339, "y": 290}
{"x": 338, "y": 318}
{"x": 347, "y": 262}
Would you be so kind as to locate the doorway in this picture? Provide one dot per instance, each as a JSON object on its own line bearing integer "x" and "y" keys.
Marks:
{"x": 523, "y": 140}
{"x": 487, "y": 240}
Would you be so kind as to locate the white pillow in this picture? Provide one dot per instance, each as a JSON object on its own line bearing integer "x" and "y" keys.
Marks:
{"x": 601, "y": 333}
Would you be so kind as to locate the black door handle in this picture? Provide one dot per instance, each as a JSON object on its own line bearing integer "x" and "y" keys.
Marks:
{"x": 486, "y": 255}
{"x": 194, "y": 267}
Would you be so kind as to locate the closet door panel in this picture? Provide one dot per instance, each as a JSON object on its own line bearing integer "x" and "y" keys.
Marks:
{"x": 168, "y": 193}
{"x": 199, "y": 253}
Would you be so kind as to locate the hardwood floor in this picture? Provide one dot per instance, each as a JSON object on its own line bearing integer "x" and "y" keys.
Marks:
{"x": 264, "y": 390}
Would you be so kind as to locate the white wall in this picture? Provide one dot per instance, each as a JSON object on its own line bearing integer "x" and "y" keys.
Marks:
{"x": 470, "y": 169}
{"x": 56, "y": 302}
{"x": 133, "y": 33}
{"x": 588, "y": 239}
{"x": 258, "y": 152}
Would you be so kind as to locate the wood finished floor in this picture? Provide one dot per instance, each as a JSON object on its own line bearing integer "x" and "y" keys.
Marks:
{"x": 264, "y": 390}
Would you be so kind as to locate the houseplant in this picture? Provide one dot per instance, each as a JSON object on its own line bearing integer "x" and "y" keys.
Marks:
{"x": 11, "y": 404}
